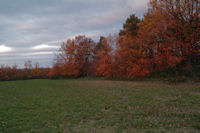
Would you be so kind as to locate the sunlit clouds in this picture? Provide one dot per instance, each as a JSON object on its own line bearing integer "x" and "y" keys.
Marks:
{"x": 4, "y": 49}
{"x": 44, "y": 46}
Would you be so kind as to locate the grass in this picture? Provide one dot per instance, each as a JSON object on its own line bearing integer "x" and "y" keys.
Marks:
{"x": 62, "y": 106}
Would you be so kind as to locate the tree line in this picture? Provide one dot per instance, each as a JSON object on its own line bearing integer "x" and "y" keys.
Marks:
{"x": 166, "y": 41}
{"x": 28, "y": 72}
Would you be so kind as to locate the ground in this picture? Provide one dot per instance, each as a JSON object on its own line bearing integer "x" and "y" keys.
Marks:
{"x": 80, "y": 105}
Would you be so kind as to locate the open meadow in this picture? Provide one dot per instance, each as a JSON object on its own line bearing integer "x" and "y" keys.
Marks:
{"x": 104, "y": 106}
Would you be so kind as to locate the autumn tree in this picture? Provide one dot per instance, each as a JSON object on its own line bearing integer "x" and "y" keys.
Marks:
{"x": 104, "y": 62}
{"x": 27, "y": 71}
{"x": 44, "y": 72}
{"x": 55, "y": 71}
{"x": 170, "y": 33}
{"x": 9, "y": 73}
{"x": 128, "y": 52}
{"x": 77, "y": 56}
{"x": 5, "y": 72}
{"x": 36, "y": 71}
{"x": 182, "y": 19}
{"x": 15, "y": 72}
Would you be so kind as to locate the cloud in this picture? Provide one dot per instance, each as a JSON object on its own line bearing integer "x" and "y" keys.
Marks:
{"x": 108, "y": 17}
{"x": 30, "y": 26}
{"x": 38, "y": 53}
{"x": 4, "y": 49}
{"x": 137, "y": 4}
{"x": 44, "y": 46}
{"x": 27, "y": 23}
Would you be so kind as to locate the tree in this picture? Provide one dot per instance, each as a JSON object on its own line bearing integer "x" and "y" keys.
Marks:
{"x": 36, "y": 71}
{"x": 169, "y": 33}
{"x": 127, "y": 48}
{"x": 27, "y": 72}
{"x": 15, "y": 72}
{"x": 104, "y": 64}
{"x": 77, "y": 56}
{"x": 55, "y": 71}
{"x": 100, "y": 45}
{"x": 130, "y": 26}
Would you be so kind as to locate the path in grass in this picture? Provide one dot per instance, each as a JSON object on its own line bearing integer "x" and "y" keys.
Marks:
{"x": 98, "y": 106}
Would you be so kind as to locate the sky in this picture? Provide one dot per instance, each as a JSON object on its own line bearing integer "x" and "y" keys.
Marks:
{"x": 35, "y": 29}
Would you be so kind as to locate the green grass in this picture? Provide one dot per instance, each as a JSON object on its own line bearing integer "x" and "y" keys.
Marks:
{"x": 62, "y": 106}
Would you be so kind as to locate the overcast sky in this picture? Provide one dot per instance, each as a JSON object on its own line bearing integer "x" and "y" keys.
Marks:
{"x": 34, "y": 29}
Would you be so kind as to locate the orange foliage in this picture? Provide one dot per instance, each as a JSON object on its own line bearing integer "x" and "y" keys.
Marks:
{"x": 14, "y": 73}
{"x": 104, "y": 63}
{"x": 55, "y": 71}
{"x": 76, "y": 57}
{"x": 36, "y": 71}
{"x": 166, "y": 35}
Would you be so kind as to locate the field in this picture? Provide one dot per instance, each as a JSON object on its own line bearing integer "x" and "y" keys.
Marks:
{"x": 62, "y": 106}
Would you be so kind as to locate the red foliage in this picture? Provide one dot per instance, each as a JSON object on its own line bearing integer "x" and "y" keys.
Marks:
{"x": 76, "y": 57}
{"x": 55, "y": 71}
{"x": 104, "y": 64}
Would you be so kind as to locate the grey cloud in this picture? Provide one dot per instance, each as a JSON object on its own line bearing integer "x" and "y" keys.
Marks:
{"x": 28, "y": 23}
